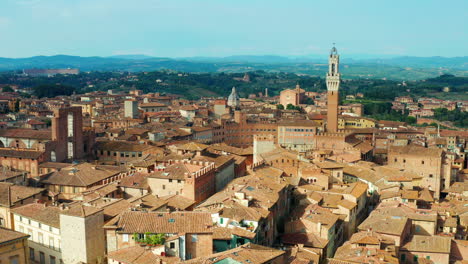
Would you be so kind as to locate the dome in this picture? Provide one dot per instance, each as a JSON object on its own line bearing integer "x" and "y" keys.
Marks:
{"x": 233, "y": 99}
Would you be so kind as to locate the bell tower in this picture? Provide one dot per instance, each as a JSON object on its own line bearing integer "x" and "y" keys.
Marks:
{"x": 333, "y": 84}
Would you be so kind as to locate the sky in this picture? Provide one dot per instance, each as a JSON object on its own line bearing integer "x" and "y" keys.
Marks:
{"x": 187, "y": 28}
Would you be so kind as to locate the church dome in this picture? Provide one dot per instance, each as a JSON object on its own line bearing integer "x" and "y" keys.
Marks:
{"x": 233, "y": 99}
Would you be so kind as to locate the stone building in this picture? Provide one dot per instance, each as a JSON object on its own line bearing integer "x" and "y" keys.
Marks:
{"x": 13, "y": 196}
{"x": 54, "y": 233}
{"x": 70, "y": 181}
{"x": 13, "y": 247}
{"x": 194, "y": 180}
{"x": 292, "y": 96}
{"x": 187, "y": 234}
{"x": 427, "y": 162}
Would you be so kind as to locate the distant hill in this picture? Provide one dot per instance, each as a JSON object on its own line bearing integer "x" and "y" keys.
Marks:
{"x": 425, "y": 62}
{"x": 131, "y": 57}
{"x": 398, "y": 68}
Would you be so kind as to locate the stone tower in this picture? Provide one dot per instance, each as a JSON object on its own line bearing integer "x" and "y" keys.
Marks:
{"x": 333, "y": 84}
{"x": 83, "y": 239}
{"x": 67, "y": 131}
{"x": 131, "y": 109}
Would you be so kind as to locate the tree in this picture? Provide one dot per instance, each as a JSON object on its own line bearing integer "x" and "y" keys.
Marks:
{"x": 290, "y": 107}
{"x": 52, "y": 90}
{"x": 7, "y": 89}
{"x": 280, "y": 107}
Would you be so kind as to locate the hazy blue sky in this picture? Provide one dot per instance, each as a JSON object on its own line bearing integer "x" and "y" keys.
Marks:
{"x": 179, "y": 28}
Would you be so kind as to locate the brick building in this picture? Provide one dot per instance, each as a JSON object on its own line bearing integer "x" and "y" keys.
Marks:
{"x": 195, "y": 180}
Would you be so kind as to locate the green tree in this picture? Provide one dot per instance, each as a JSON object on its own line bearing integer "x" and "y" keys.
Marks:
{"x": 290, "y": 107}
{"x": 280, "y": 107}
{"x": 52, "y": 90}
{"x": 7, "y": 89}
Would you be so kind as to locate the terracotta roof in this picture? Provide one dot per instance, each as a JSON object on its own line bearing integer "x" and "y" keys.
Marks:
{"x": 432, "y": 244}
{"x": 49, "y": 215}
{"x": 357, "y": 189}
{"x": 153, "y": 104}
{"x": 23, "y": 153}
{"x": 193, "y": 146}
{"x": 415, "y": 151}
{"x": 226, "y": 233}
{"x": 172, "y": 223}
{"x": 230, "y": 149}
{"x": 80, "y": 210}
{"x": 84, "y": 174}
{"x": 122, "y": 146}
{"x": 149, "y": 202}
{"x": 393, "y": 225}
{"x": 409, "y": 194}
{"x": 10, "y": 193}
{"x": 248, "y": 253}
{"x": 176, "y": 171}
{"x": 139, "y": 255}
{"x": 178, "y": 202}
{"x": 26, "y": 133}
{"x": 8, "y": 235}
{"x": 307, "y": 239}
{"x": 137, "y": 181}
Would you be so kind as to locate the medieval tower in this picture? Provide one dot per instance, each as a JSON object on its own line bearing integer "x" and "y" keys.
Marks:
{"x": 333, "y": 84}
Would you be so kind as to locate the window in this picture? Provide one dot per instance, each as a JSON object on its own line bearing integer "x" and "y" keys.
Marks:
{"x": 62, "y": 188}
{"x": 41, "y": 258}
{"x": 403, "y": 257}
{"x": 430, "y": 175}
{"x": 428, "y": 257}
{"x": 51, "y": 242}
{"x": 422, "y": 161}
{"x": 40, "y": 238}
{"x": 164, "y": 187}
{"x": 52, "y": 260}
{"x": 415, "y": 258}
{"x": 2, "y": 221}
{"x": 125, "y": 237}
{"x": 194, "y": 238}
{"x": 31, "y": 254}
{"x": 172, "y": 245}
{"x": 14, "y": 259}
